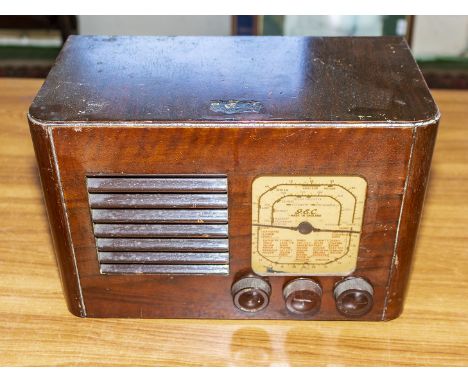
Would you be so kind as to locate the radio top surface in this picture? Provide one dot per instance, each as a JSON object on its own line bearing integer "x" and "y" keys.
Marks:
{"x": 234, "y": 79}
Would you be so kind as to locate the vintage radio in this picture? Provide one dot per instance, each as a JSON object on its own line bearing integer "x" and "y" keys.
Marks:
{"x": 234, "y": 177}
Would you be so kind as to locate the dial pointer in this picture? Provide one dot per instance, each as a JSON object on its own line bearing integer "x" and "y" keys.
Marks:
{"x": 275, "y": 226}
{"x": 306, "y": 228}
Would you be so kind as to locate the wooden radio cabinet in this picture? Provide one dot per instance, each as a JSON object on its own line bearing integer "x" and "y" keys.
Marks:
{"x": 234, "y": 177}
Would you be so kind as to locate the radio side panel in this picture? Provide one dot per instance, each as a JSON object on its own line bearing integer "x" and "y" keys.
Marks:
{"x": 57, "y": 215}
{"x": 415, "y": 190}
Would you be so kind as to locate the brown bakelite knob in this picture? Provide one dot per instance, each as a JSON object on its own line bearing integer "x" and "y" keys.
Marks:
{"x": 354, "y": 297}
{"x": 302, "y": 296}
{"x": 251, "y": 294}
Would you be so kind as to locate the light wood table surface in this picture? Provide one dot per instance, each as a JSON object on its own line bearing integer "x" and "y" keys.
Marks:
{"x": 37, "y": 329}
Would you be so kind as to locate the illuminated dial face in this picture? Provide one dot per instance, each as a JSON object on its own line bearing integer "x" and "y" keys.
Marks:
{"x": 306, "y": 225}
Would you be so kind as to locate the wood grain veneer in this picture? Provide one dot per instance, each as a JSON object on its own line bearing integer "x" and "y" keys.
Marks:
{"x": 303, "y": 106}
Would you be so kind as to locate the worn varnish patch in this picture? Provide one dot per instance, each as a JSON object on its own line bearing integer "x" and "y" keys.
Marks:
{"x": 235, "y": 106}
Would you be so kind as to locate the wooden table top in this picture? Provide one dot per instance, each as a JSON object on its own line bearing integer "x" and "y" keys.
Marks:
{"x": 37, "y": 329}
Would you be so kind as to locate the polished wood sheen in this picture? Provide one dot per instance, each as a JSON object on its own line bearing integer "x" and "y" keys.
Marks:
{"x": 157, "y": 201}
{"x": 36, "y": 327}
{"x": 158, "y": 216}
{"x": 128, "y": 184}
{"x": 316, "y": 106}
{"x": 134, "y": 78}
{"x": 160, "y": 230}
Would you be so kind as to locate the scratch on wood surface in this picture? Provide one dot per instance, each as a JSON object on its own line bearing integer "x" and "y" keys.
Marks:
{"x": 235, "y": 106}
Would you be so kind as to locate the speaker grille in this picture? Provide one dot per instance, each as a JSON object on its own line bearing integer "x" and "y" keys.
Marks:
{"x": 161, "y": 223}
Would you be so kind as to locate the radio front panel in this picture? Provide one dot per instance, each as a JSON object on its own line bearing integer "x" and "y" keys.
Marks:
{"x": 156, "y": 250}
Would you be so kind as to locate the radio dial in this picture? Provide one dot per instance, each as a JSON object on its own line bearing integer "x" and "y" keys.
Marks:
{"x": 251, "y": 294}
{"x": 354, "y": 297}
{"x": 302, "y": 296}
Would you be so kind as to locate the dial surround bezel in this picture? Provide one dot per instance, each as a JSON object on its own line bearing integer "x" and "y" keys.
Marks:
{"x": 307, "y": 225}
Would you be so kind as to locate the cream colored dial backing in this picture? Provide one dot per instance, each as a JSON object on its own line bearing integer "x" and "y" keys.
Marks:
{"x": 306, "y": 225}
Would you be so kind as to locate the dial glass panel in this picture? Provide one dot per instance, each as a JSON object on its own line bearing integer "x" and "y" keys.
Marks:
{"x": 306, "y": 225}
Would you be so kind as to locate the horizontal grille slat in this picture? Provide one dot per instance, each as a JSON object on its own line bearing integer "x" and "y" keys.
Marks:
{"x": 165, "y": 257}
{"x": 124, "y": 185}
{"x": 158, "y": 200}
{"x": 201, "y": 269}
{"x": 176, "y": 224}
{"x": 159, "y": 216}
{"x": 172, "y": 245}
{"x": 161, "y": 230}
